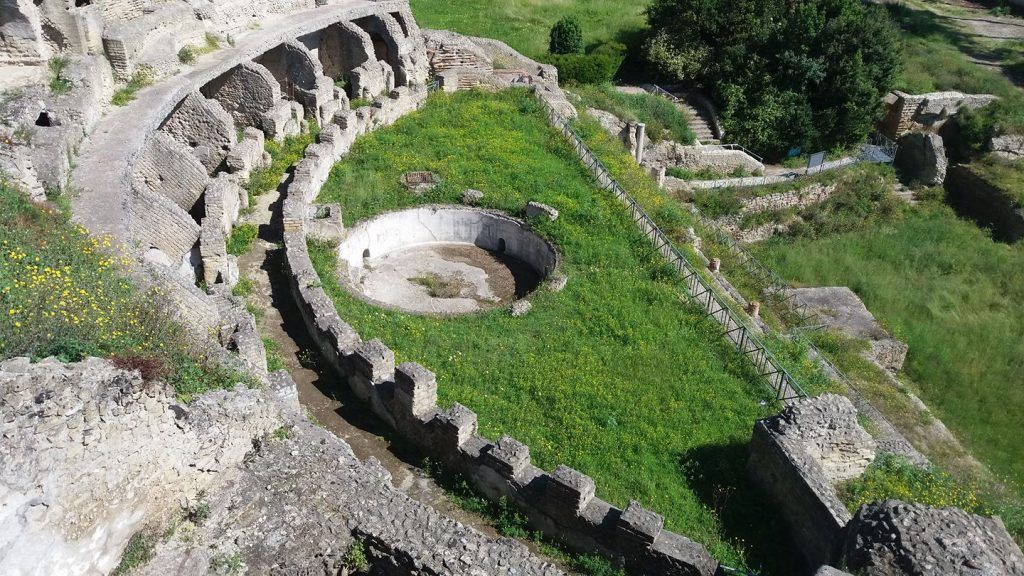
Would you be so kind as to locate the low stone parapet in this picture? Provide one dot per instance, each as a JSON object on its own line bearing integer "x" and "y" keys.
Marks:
{"x": 563, "y": 503}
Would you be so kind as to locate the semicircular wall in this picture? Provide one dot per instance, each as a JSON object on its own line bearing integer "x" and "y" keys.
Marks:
{"x": 485, "y": 229}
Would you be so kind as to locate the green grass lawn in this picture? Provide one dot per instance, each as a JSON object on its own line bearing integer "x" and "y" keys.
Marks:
{"x": 614, "y": 375}
{"x": 953, "y": 295}
{"x": 663, "y": 119}
{"x": 524, "y": 24}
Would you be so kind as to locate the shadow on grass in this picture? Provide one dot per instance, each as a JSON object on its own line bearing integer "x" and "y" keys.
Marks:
{"x": 717, "y": 474}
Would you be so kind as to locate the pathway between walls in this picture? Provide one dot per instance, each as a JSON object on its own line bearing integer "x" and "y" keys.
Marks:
{"x": 326, "y": 398}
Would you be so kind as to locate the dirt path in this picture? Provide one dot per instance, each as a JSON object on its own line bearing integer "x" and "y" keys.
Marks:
{"x": 326, "y": 398}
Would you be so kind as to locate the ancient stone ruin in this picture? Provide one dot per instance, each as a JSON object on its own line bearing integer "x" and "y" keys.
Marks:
{"x": 93, "y": 454}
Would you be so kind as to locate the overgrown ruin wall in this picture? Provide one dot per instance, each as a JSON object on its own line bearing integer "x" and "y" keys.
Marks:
{"x": 926, "y": 112}
{"x": 798, "y": 457}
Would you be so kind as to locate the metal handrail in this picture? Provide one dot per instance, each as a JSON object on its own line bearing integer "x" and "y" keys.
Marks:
{"x": 734, "y": 146}
{"x": 699, "y": 291}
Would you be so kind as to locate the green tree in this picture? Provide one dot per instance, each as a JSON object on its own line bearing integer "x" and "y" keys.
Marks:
{"x": 566, "y": 37}
{"x": 784, "y": 74}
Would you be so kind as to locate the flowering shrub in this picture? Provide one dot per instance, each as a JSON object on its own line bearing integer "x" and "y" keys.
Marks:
{"x": 65, "y": 293}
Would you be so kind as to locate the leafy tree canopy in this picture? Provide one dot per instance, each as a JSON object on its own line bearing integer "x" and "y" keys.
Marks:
{"x": 785, "y": 73}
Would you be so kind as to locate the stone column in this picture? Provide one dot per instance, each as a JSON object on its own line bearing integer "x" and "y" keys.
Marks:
{"x": 641, "y": 141}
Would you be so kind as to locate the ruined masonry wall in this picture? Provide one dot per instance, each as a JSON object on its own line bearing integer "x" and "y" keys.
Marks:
{"x": 157, "y": 222}
{"x": 798, "y": 457}
{"x": 205, "y": 126}
{"x": 561, "y": 503}
{"x": 909, "y": 112}
{"x": 80, "y": 483}
{"x": 21, "y": 33}
{"x": 168, "y": 168}
{"x": 247, "y": 92}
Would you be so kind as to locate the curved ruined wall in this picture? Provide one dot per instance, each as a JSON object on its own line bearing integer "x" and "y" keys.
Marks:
{"x": 434, "y": 224}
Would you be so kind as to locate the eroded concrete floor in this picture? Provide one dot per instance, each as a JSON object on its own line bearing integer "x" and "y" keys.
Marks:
{"x": 437, "y": 279}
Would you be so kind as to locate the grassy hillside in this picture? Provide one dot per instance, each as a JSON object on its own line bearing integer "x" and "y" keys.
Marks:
{"x": 64, "y": 293}
{"x": 524, "y": 24}
{"x": 953, "y": 294}
{"x": 614, "y": 375}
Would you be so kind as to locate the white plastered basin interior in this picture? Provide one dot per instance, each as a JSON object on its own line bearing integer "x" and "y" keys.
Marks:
{"x": 443, "y": 259}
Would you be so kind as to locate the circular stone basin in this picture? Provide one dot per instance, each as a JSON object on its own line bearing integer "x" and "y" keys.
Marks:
{"x": 443, "y": 260}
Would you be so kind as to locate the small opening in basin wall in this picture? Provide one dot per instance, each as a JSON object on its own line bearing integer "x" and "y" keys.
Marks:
{"x": 44, "y": 119}
{"x": 366, "y": 253}
{"x": 501, "y": 245}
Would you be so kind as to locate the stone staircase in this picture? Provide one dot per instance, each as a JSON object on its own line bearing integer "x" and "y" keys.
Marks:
{"x": 697, "y": 109}
{"x": 700, "y": 120}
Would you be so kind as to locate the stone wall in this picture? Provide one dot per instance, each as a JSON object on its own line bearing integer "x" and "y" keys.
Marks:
{"x": 152, "y": 38}
{"x": 204, "y": 126}
{"x": 157, "y": 222}
{"x": 896, "y": 538}
{"x": 562, "y": 503}
{"x": 168, "y": 168}
{"x": 926, "y": 112}
{"x": 79, "y": 482}
{"x": 984, "y": 201}
{"x": 922, "y": 157}
{"x": 447, "y": 50}
{"x": 21, "y": 33}
{"x": 667, "y": 154}
{"x": 302, "y": 499}
{"x": 248, "y": 92}
{"x": 801, "y": 198}
{"x": 797, "y": 458}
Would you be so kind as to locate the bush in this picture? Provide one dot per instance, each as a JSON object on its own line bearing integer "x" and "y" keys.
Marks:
{"x": 585, "y": 68}
{"x": 143, "y": 77}
{"x": 138, "y": 551}
{"x": 64, "y": 293}
{"x": 566, "y": 37}
{"x": 189, "y": 52}
{"x": 58, "y": 83}
{"x": 241, "y": 239}
{"x": 718, "y": 202}
{"x": 892, "y": 476}
{"x": 355, "y": 557}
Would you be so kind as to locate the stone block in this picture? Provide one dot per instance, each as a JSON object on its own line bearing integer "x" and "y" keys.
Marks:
{"x": 568, "y": 491}
{"x": 453, "y": 428}
{"x": 374, "y": 361}
{"x": 675, "y": 554}
{"x": 415, "y": 389}
{"x": 471, "y": 197}
{"x": 894, "y": 537}
{"x": 508, "y": 456}
{"x": 420, "y": 182}
{"x": 520, "y": 308}
{"x": 1008, "y": 146}
{"x": 922, "y": 157}
{"x": 543, "y": 210}
{"x": 638, "y": 526}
